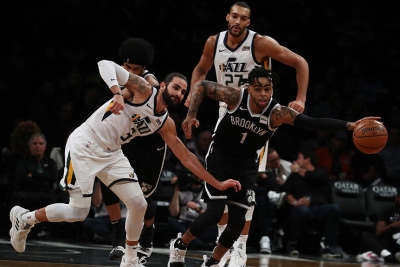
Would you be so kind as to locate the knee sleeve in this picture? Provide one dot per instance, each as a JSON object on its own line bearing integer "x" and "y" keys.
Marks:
{"x": 210, "y": 217}
{"x": 109, "y": 197}
{"x": 66, "y": 213}
{"x": 236, "y": 222}
{"x": 136, "y": 207}
{"x": 151, "y": 209}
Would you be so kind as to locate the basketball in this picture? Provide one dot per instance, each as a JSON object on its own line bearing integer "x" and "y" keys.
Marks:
{"x": 370, "y": 136}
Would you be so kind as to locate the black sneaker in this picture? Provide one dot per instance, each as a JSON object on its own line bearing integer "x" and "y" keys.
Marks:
{"x": 117, "y": 253}
{"x": 291, "y": 249}
{"x": 143, "y": 253}
{"x": 332, "y": 252}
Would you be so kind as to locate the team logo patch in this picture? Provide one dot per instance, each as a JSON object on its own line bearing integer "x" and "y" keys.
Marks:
{"x": 250, "y": 195}
{"x": 264, "y": 120}
{"x": 145, "y": 187}
{"x": 246, "y": 48}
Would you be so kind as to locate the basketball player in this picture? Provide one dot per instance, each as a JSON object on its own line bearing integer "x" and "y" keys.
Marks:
{"x": 146, "y": 155}
{"x": 251, "y": 119}
{"x": 94, "y": 149}
{"x": 234, "y": 53}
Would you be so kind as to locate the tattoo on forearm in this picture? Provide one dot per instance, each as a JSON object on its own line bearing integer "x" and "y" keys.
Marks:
{"x": 284, "y": 111}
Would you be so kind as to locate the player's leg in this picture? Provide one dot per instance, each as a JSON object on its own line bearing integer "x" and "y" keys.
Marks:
{"x": 147, "y": 234}
{"x": 113, "y": 206}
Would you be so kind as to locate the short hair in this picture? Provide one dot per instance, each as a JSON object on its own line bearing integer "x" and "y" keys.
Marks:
{"x": 169, "y": 77}
{"x": 308, "y": 153}
{"x": 37, "y": 135}
{"x": 261, "y": 72}
{"x": 136, "y": 51}
{"x": 241, "y": 4}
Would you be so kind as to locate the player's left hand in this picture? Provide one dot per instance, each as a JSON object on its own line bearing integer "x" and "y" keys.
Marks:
{"x": 228, "y": 184}
{"x": 187, "y": 126}
{"x": 297, "y": 105}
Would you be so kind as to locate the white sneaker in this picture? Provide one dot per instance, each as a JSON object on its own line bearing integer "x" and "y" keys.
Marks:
{"x": 265, "y": 245}
{"x": 277, "y": 198}
{"x": 135, "y": 263}
{"x": 176, "y": 255}
{"x": 226, "y": 257}
{"x": 238, "y": 258}
{"x": 205, "y": 261}
{"x": 369, "y": 256}
{"x": 19, "y": 229}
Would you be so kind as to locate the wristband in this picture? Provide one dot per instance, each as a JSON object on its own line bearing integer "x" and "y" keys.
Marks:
{"x": 118, "y": 93}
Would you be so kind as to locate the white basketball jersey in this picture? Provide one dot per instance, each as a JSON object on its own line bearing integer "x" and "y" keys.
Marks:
{"x": 135, "y": 120}
{"x": 231, "y": 65}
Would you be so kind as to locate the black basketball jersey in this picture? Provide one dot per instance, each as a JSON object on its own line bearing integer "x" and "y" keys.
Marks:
{"x": 241, "y": 132}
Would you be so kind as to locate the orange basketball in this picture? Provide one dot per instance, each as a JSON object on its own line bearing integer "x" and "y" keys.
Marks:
{"x": 370, "y": 136}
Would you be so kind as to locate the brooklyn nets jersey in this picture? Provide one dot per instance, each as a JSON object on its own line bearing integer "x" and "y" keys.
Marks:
{"x": 241, "y": 132}
{"x": 113, "y": 130}
{"x": 231, "y": 65}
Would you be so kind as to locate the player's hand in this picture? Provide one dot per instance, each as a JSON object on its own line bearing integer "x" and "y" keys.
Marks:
{"x": 229, "y": 184}
{"x": 117, "y": 104}
{"x": 297, "y": 105}
{"x": 187, "y": 126}
{"x": 187, "y": 102}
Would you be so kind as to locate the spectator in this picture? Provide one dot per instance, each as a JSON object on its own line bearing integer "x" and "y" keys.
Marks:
{"x": 185, "y": 206}
{"x": 372, "y": 171}
{"x": 35, "y": 176}
{"x": 199, "y": 146}
{"x": 307, "y": 188}
{"x": 268, "y": 191}
{"x": 384, "y": 245}
{"x": 335, "y": 159}
{"x": 391, "y": 156}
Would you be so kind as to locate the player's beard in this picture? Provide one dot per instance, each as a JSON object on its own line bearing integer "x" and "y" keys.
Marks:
{"x": 168, "y": 99}
{"x": 233, "y": 33}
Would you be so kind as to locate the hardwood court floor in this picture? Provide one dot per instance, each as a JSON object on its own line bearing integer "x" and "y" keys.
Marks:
{"x": 74, "y": 254}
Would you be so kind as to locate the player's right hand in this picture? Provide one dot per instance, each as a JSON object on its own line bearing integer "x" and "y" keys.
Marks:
{"x": 187, "y": 126}
{"x": 230, "y": 183}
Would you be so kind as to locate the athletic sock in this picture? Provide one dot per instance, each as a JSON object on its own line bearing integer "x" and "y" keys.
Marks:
{"x": 30, "y": 218}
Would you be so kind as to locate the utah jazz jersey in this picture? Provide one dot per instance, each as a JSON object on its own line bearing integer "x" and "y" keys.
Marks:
{"x": 113, "y": 130}
{"x": 231, "y": 65}
{"x": 241, "y": 132}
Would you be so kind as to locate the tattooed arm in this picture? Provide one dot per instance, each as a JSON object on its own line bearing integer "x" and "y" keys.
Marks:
{"x": 216, "y": 91}
{"x": 286, "y": 115}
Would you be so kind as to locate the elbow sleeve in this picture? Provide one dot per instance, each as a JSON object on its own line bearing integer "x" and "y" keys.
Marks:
{"x": 326, "y": 124}
{"x": 112, "y": 74}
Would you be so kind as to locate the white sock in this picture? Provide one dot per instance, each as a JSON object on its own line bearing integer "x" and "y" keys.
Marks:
{"x": 385, "y": 253}
{"x": 30, "y": 218}
{"x": 243, "y": 238}
{"x": 130, "y": 252}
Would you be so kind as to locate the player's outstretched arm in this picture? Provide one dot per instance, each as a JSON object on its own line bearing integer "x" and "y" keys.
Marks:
{"x": 190, "y": 161}
{"x": 285, "y": 115}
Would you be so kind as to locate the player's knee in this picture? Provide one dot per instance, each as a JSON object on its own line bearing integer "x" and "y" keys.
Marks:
{"x": 76, "y": 214}
{"x": 136, "y": 204}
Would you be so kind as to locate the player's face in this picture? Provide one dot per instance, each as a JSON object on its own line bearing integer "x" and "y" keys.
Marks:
{"x": 133, "y": 68}
{"x": 174, "y": 91}
{"x": 260, "y": 93}
{"x": 238, "y": 19}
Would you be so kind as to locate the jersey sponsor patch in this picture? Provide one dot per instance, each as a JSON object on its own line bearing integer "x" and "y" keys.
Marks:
{"x": 264, "y": 120}
{"x": 246, "y": 48}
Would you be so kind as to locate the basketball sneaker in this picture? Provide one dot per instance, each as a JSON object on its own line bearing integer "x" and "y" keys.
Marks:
{"x": 205, "y": 262}
{"x": 238, "y": 258}
{"x": 135, "y": 263}
{"x": 176, "y": 255}
{"x": 369, "y": 256}
{"x": 226, "y": 257}
{"x": 19, "y": 229}
{"x": 265, "y": 245}
{"x": 116, "y": 253}
{"x": 144, "y": 253}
